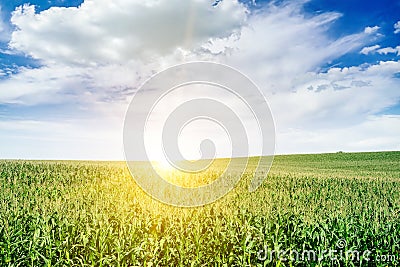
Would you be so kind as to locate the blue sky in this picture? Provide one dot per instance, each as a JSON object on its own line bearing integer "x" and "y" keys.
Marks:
{"x": 329, "y": 69}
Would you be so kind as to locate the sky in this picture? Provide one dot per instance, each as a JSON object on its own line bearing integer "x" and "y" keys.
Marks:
{"x": 329, "y": 70}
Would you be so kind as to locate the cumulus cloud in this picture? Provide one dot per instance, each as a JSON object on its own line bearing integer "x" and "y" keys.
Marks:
{"x": 389, "y": 50}
{"x": 397, "y": 27}
{"x": 370, "y": 30}
{"x": 337, "y": 110}
{"x": 338, "y": 98}
{"x": 369, "y": 49}
{"x": 271, "y": 45}
{"x": 96, "y": 55}
{"x": 104, "y": 31}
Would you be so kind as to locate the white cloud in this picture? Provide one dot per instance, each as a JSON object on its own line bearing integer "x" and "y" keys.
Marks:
{"x": 57, "y": 84}
{"x": 397, "y": 27}
{"x": 333, "y": 111}
{"x": 34, "y": 86}
{"x": 96, "y": 55}
{"x": 271, "y": 45}
{"x": 105, "y": 31}
{"x": 280, "y": 44}
{"x": 338, "y": 98}
{"x": 389, "y": 50}
{"x": 370, "y": 30}
{"x": 369, "y": 49}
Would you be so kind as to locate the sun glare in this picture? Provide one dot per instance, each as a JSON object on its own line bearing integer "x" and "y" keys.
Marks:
{"x": 165, "y": 165}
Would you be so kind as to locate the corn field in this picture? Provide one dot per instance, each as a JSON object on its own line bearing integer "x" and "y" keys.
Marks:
{"x": 75, "y": 213}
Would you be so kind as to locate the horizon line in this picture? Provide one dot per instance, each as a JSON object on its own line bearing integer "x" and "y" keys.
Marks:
{"x": 253, "y": 156}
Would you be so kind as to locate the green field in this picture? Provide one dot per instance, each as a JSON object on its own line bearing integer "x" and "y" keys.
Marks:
{"x": 63, "y": 213}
